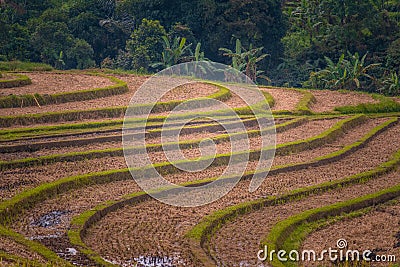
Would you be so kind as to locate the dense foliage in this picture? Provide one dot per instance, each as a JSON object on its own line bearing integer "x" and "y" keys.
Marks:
{"x": 334, "y": 44}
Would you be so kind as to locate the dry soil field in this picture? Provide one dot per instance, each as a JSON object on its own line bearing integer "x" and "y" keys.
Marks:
{"x": 67, "y": 197}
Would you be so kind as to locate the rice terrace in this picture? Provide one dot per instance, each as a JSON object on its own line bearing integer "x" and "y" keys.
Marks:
{"x": 122, "y": 144}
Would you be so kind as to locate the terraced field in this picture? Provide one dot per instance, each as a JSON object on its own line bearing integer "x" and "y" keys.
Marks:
{"x": 68, "y": 198}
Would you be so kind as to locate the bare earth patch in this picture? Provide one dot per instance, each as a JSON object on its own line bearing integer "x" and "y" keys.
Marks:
{"x": 285, "y": 99}
{"x": 54, "y": 83}
{"x": 328, "y": 100}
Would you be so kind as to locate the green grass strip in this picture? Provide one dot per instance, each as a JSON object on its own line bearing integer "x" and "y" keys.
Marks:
{"x": 23, "y": 66}
{"x": 300, "y": 233}
{"x": 118, "y": 152}
{"x": 386, "y": 105}
{"x": 20, "y": 80}
{"x": 14, "y": 101}
{"x": 80, "y": 128}
{"x": 284, "y": 229}
{"x": 202, "y": 232}
{"x": 304, "y": 105}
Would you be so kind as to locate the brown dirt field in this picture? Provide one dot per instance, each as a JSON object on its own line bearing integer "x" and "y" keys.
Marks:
{"x": 188, "y": 91}
{"x": 160, "y": 227}
{"x": 377, "y": 231}
{"x": 74, "y": 203}
{"x": 97, "y": 145}
{"x": 328, "y": 100}
{"x": 91, "y": 133}
{"x": 11, "y": 247}
{"x": 13, "y": 181}
{"x": 238, "y": 242}
{"x": 284, "y": 99}
{"x": 53, "y": 83}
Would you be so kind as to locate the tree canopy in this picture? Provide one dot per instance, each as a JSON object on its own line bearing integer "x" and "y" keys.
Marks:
{"x": 298, "y": 35}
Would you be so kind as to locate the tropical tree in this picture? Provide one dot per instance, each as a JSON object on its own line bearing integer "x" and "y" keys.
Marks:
{"x": 344, "y": 74}
{"x": 175, "y": 51}
{"x": 391, "y": 85}
{"x": 145, "y": 45}
{"x": 246, "y": 60}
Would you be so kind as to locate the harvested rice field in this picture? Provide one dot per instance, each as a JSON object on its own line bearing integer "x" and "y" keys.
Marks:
{"x": 70, "y": 196}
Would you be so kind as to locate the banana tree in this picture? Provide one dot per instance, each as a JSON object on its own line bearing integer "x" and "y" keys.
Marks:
{"x": 245, "y": 60}
{"x": 174, "y": 52}
{"x": 345, "y": 74}
{"x": 238, "y": 62}
{"x": 391, "y": 85}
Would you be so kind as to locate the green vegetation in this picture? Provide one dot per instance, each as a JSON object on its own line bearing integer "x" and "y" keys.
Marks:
{"x": 345, "y": 74}
{"x": 23, "y": 66}
{"x": 386, "y": 105}
{"x": 305, "y": 40}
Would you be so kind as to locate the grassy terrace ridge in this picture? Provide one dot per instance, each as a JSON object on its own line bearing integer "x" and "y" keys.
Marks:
{"x": 65, "y": 130}
{"x": 154, "y": 130}
{"x": 284, "y": 229}
{"x": 25, "y": 200}
{"x": 50, "y": 117}
{"x": 300, "y": 232}
{"x": 18, "y": 81}
{"x": 117, "y": 152}
{"x": 112, "y": 112}
{"x": 15, "y": 101}
{"x": 202, "y": 232}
